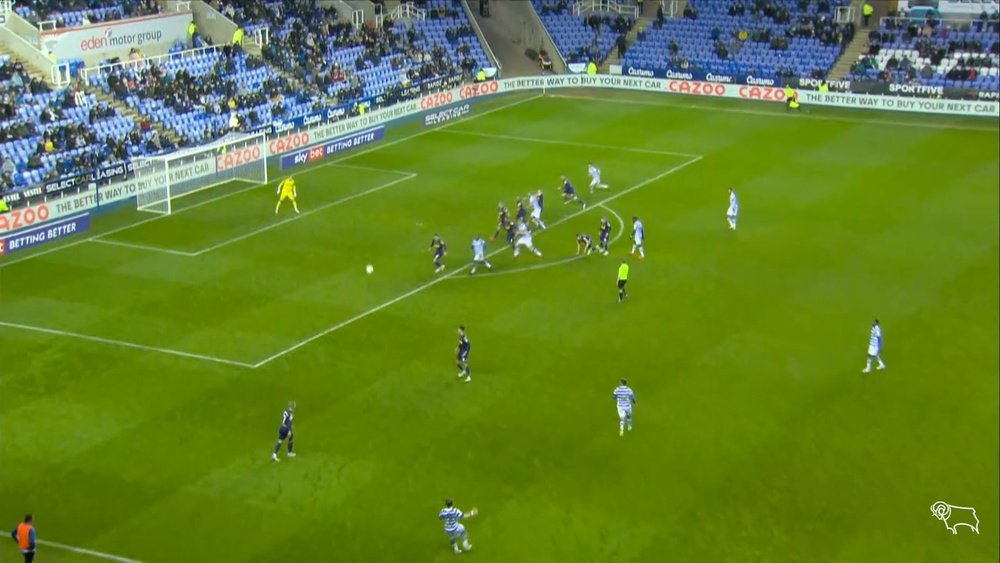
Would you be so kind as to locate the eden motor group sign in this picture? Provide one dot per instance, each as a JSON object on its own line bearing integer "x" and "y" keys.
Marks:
{"x": 105, "y": 39}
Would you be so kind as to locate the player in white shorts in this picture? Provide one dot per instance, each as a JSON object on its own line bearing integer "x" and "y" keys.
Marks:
{"x": 524, "y": 239}
{"x": 595, "y": 178}
{"x": 734, "y": 209}
{"x": 535, "y": 201}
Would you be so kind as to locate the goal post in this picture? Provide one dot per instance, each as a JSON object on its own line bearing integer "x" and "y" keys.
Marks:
{"x": 163, "y": 178}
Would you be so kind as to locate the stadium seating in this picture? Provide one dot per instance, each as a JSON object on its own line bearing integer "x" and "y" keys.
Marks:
{"x": 350, "y": 63}
{"x": 195, "y": 94}
{"x": 762, "y": 38}
{"x": 83, "y": 132}
{"x": 71, "y": 13}
{"x": 927, "y": 51}
{"x": 582, "y": 38}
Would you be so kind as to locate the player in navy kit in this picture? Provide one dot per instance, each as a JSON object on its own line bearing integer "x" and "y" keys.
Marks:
{"x": 462, "y": 354}
{"x": 522, "y": 213}
{"x": 605, "y": 236}
{"x": 569, "y": 193}
{"x": 440, "y": 250}
{"x": 285, "y": 432}
{"x": 584, "y": 242}
{"x": 511, "y": 234}
{"x": 503, "y": 219}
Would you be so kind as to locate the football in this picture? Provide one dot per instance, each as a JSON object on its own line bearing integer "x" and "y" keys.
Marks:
{"x": 369, "y": 268}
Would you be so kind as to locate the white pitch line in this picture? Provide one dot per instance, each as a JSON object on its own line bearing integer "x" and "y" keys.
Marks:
{"x": 561, "y": 261}
{"x": 567, "y": 143}
{"x": 451, "y": 274}
{"x": 377, "y": 147}
{"x": 145, "y": 247}
{"x": 125, "y": 344}
{"x": 90, "y": 552}
{"x": 298, "y": 216}
{"x": 797, "y": 115}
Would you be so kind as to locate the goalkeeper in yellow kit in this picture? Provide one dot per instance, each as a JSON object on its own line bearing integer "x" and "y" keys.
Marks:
{"x": 286, "y": 190}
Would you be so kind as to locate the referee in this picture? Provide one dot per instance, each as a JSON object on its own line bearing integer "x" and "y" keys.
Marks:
{"x": 622, "y": 280}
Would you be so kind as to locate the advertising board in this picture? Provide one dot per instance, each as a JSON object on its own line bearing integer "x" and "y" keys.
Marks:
{"x": 314, "y": 143}
{"x": 42, "y": 234}
{"x": 104, "y": 39}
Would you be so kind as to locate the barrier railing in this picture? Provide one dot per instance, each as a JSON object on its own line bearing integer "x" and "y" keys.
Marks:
{"x": 588, "y": 6}
{"x": 139, "y": 63}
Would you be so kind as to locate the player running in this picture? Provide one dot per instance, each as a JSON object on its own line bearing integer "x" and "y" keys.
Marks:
{"x": 874, "y": 348}
{"x": 638, "y": 236}
{"x": 285, "y": 432}
{"x": 462, "y": 355}
{"x": 455, "y": 530}
{"x": 625, "y": 398}
{"x": 569, "y": 193}
{"x": 584, "y": 243}
{"x": 734, "y": 209}
{"x": 524, "y": 239}
{"x": 503, "y": 220}
{"x": 479, "y": 254}
{"x": 536, "y": 200}
{"x": 595, "y": 178}
{"x": 440, "y": 251}
{"x": 286, "y": 190}
{"x": 622, "y": 280}
{"x": 604, "y": 237}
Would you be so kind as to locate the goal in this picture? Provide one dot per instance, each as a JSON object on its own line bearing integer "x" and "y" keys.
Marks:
{"x": 162, "y": 179}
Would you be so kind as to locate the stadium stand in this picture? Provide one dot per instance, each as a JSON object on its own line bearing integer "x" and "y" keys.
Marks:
{"x": 49, "y": 134}
{"x": 585, "y": 37}
{"x": 348, "y": 63}
{"x": 71, "y": 13}
{"x": 928, "y": 51}
{"x": 196, "y": 93}
{"x": 760, "y": 38}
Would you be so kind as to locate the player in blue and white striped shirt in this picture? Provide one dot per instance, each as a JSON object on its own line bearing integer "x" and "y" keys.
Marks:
{"x": 625, "y": 398}
{"x": 874, "y": 347}
{"x": 638, "y": 236}
{"x": 455, "y": 530}
{"x": 734, "y": 209}
{"x": 479, "y": 254}
{"x": 595, "y": 178}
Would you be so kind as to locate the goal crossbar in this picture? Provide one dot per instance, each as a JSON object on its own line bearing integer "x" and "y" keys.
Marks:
{"x": 161, "y": 179}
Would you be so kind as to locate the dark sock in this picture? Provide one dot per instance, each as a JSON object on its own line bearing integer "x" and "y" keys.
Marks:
{"x": 277, "y": 448}
{"x": 291, "y": 444}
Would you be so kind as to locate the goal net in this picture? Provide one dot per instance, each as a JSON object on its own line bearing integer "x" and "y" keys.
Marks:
{"x": 162, "y": 179}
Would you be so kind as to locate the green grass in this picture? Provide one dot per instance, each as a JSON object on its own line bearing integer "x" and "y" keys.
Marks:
{"x": 757, "y": 438}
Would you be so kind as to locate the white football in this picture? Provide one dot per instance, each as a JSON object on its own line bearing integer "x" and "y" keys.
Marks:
{"x": 369, "y": 268}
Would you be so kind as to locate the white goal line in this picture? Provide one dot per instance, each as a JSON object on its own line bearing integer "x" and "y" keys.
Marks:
{"x": 336, "y": 161}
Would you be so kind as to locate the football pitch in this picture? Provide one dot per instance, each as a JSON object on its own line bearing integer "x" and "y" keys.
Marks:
{"x": 145, "y": 365}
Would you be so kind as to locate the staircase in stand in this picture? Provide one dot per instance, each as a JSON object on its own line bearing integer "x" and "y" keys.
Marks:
{"x": 131, "y": 113}
{"x": 646, "y": 18}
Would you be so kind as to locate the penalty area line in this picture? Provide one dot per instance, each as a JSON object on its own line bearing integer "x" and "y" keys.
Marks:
{"x": 271, "y": 181}
{"x": 124, "y": 344}
{"x": 84, "y": 551}
{"x": 453, "y": 273}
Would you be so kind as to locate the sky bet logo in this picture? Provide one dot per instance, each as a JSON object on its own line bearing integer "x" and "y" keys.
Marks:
{"x": 301, "y": 158}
